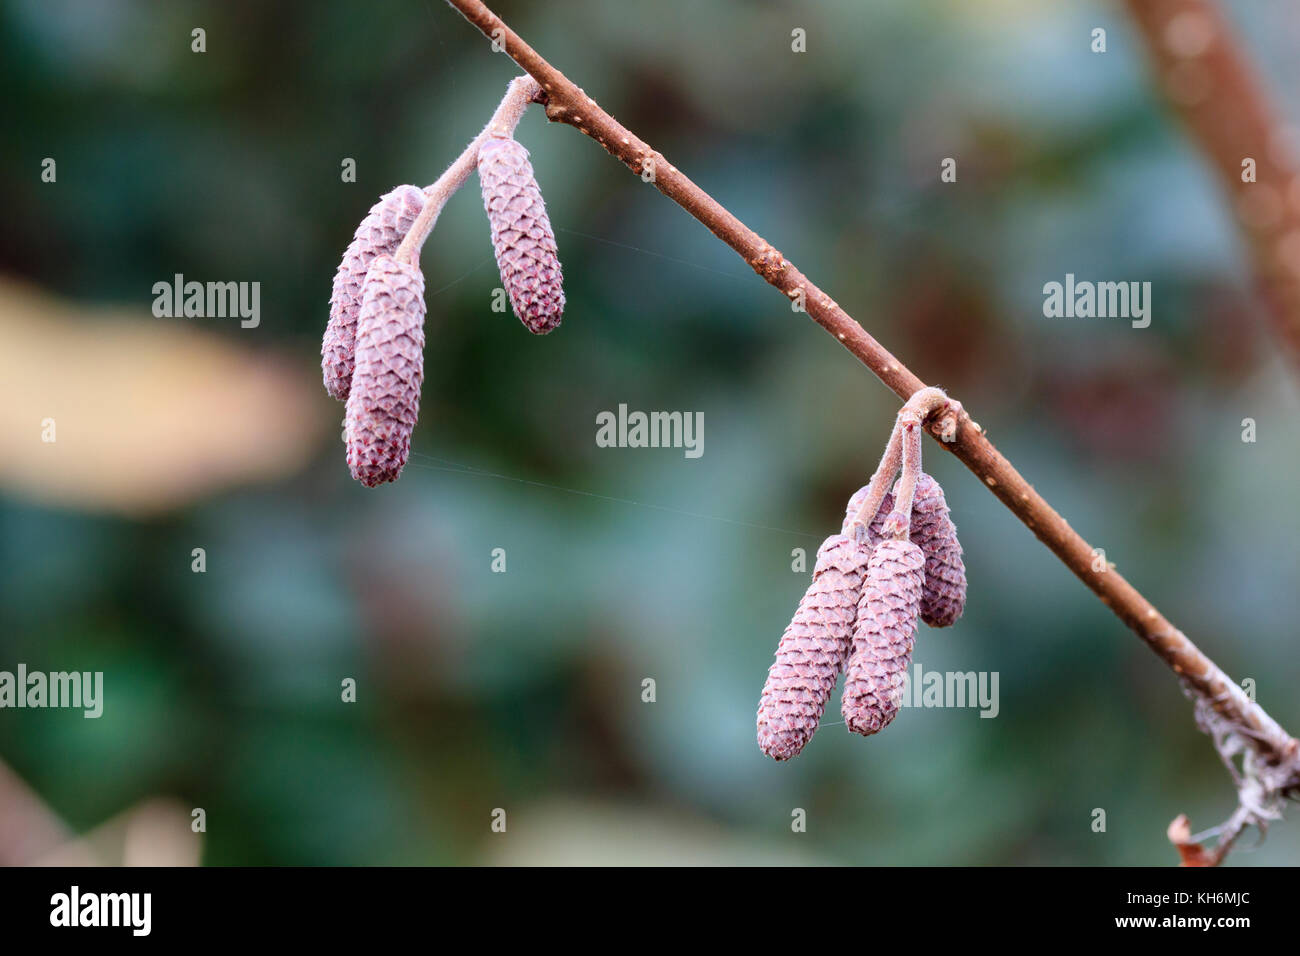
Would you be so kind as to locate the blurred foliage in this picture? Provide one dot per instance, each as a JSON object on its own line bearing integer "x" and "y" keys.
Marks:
{"x": 522, "y": 690}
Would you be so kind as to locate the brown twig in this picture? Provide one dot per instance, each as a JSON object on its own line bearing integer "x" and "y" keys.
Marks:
{"x": 567, "y": 103}
{"x": 1225, "y": 108}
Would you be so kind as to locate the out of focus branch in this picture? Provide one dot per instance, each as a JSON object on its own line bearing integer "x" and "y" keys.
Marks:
{"x": 1273, "y": 748}
{"x": 1210, "y": 81}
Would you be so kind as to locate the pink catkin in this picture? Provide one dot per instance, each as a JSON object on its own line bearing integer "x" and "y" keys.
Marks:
{"x": 379, "y": 234}
{"x": 521, "y": 234}
{"x": 385, "y": 395}
{"x": 883, "y": 636}
{"x": 812, "y": 651}
{"x": 943, "y": 597}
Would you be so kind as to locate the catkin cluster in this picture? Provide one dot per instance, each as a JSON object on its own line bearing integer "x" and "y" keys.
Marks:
{"x": 372, "y": 353}
{"x": 887, "y": 568}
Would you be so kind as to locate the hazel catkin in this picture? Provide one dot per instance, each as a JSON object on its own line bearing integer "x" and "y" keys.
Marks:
{"x": 521, "y": 234}
{"x": 883, "y": 635}
{"x": 943, "y": 596}
{"x": 812, "y": 651}
{"x": 379, "y": 234}
{"x": 385, "y": 396}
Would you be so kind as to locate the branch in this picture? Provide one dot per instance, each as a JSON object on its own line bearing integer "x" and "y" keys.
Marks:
{"x": 567, "y": 103}
{"x": 1211, "y": 84}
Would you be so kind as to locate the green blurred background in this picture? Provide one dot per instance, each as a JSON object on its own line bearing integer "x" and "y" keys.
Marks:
{"x": 522, "y": 690}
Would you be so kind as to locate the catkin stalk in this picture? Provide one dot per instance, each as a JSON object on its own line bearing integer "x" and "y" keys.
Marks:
{"x": 875, "y": 531}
